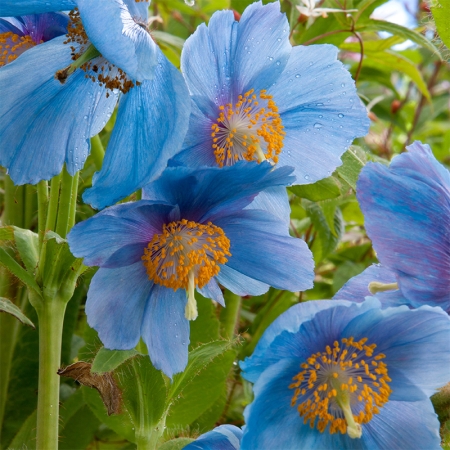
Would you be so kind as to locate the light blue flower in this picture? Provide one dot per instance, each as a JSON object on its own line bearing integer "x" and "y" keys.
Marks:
{"x": 46, "y": 122}
{"x": 406, "y": 209}
{"x": 224, "y": 437}
{"x": 345, "y": 375}
{"x": 146, "y": 284}
{"x": 256, "y": 97}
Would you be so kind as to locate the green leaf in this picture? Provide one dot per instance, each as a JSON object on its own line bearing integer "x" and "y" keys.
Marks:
{"x": 17, "y": 270}
{"x": 9, "y": 307}
{"x": 26, "y": 437}
{"x": 107, "y": 360}
{"x": 168, "y": 38}
{"x": 52, "y": 235}
{"x": 201, "y": 384}
{"x": 27, "y": 244}
{"x": 441, "y": 13}
{"x": 406, "y": 33}
{"x": 353, "y": 160}
{"x": 240, "y": 5}
{"x": 321, "y": 190}
{"x": 176, "y": 444}
{"x": 205, "y": 328}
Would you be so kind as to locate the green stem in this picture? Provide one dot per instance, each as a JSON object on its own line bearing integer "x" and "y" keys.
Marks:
{"x": 42, "y": 192}
{"x": 229, "y": 316}
{"x": 29, "y": 205}
{"x": 73, "y": 201}
{"x": 51, "y": 319}
{"x": 53, "y": 203}
{"x": 97, "y": 151}
{"x": 65, "y": 201}
{"x": 13, "y": 211}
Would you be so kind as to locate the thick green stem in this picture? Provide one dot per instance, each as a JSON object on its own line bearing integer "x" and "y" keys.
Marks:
{"x": 14, "y": 204}
{"x": 51, "y": 319}
{"x": 229, "y": 316}
{"x": 97, "y": 151}
{"x": 53, "y": 203}
{"x": 42, "y": 192}
{"x": 73, "y": 201}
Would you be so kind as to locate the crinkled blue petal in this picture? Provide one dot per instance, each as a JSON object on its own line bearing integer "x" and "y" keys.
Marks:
{"x": 23, "y": 7}
{"x": 320, "y": 111}
{"x": 224, "y": 437}
{"x": 213, "y": 192}
{"x": 138, "y": 9}
{"x": 289, "y": 321}
{"x": 115, "y": 305}
{"x": 119, "y": 37}
{"x": 151, "y": 123}
{"x": 414, "y": 195}
{"x": 44, "y": 123}
{"x": 275, "y": 200}
{"x": 118, "y": 238}
{"x": 212, "y": 290}
{"x": 165, "y": 329}
{"x": 415, "y": 342}
{"x": 228, "y": 58}
{"x": 239, "y": 283}
{"x": 356, "y": 289}
{"x": 259, "y": 254}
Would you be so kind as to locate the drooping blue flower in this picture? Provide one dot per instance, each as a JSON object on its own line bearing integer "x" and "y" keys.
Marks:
{"x": 224, "y": 437}
{"x": 345, "y": 375}
{"x": 193, "y": 234}
{"x": 406, "y": 209}
{"x": 256, "y": 97}
{"x": 58, "y": 94}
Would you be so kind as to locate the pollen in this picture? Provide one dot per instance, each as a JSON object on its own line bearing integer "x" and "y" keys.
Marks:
{"x": 186, "y": 249}
{"x": 251, "y": 130}
{"x": 340, "y": 388}
{"x": 12, "y": 46}
{"x": 97, "y": 69}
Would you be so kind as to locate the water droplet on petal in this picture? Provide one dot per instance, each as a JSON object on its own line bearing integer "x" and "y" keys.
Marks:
{"x": 343, "y": 84}
{"x": 306, "y": 177}
{"x": 270, "y": 58}
{"x": 297, "y": 76}
{"x": 340, "y": 115}
{"x": 278, "y": 63}
{"x": 320, "y": 116}
{"x": 318, "y": 125}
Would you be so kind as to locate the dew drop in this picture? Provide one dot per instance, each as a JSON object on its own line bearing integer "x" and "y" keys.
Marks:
{"x": 279, "y": 39}
{"x": 306, "y": 177}
{"x": 320, "y": 116}
{"x": 340, "y": 115}
{"x": 85, "y": 117}
{"x": 310, "y": 63}
{"x": 318, "y": 125}
{"x": 189, "y": 2}
{"x": 270, "y": 58}
{"x": 297, "y": 76}
{"x": 278, "y": 63}
{"x": 246, "y": 47}
{"x": 343, "y": 84}
{"x": 176, "y": 335}
{"x": 319, "y": 104}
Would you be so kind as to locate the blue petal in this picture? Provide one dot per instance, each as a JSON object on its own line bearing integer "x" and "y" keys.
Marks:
{"x": 225, "y": 437}
{"x": 402, "y": 425}
{"x": 212, "y": 290}
{"x": 356, "y": 289}
{"x": 320, "y": 111}
{"x": 39, "y": 127}
{"x": 118, "y": 240}
{"x": 274, "y": 200}
{"x": 289, "y": 321}
{"x": 415, "y": 342}
{"x": 44, "y": 27}
{"x": 414, "y": 195}
{"x": 165, "y": 330}
{"x": 115, "y": 305}
{"x": 23, "y": 7}
{"x": 261, "y": 255}
{"x": 119, "y": 38}
{"x": 240, "y": 284}
{"x": 137, "y": 153}
{"x": 213, "y": 192}
{"x": 224, "y": 60}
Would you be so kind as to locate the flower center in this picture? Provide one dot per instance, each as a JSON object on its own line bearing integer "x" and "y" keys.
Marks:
{"x": 88, "y": 59}
{"x": 186, "y": 255}
{"x": 251, "y": 130}
{"x": 343, "y": 387}
{"x": 12, "y": 46}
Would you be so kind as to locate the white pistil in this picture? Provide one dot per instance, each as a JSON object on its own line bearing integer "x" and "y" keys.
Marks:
{"x": 260, "y": 153}
{"x": 191, "y": 312}
{"x": 354, "y": 430}
{"x": 375, "y": 286}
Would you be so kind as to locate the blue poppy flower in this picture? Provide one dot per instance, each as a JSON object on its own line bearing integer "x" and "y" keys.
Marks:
{"x": 194, "y": 233}
{"x": 255, "y": 97}
{"x": 406, "y": 209}
{"x": 339, "y": 374}
{"x": 60, "y": 93}
{"x": 224, "y": 437}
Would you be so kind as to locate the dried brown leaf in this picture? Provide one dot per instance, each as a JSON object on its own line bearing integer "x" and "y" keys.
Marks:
{"x": 105, "y": 384}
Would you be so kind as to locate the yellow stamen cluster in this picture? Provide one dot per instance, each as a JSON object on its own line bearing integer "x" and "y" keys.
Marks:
{"x": 97, "y": 69}
{"x": 186, "y": 247}
{"x": 251, "y": 130}
{"x": 12, "y": 46}
{"x": 349, "y": 373}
